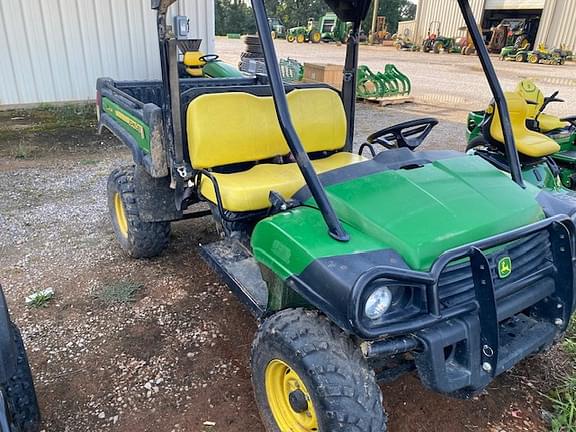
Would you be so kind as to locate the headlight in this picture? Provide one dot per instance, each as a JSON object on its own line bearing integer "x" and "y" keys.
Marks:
{"x": 378, "y": 303}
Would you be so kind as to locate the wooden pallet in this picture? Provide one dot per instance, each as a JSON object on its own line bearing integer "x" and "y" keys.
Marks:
{"x": 392, "y": 100}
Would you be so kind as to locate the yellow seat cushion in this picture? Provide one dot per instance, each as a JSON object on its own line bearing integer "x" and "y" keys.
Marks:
{"x": 548, "y": 123}
{"x": 529, "y": 143}
{"x": 249, "y": 190}
{"x": 235, "y": 127}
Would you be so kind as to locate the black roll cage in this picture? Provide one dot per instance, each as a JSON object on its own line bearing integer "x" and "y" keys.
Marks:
{"x": 347, "y": 10}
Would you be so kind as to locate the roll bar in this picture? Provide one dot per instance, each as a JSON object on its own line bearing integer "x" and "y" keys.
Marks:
{"x": 497, "y": 92}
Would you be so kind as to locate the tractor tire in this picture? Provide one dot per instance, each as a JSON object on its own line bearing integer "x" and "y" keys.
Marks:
{"x": 290, "y": 38}
{"x": 273, "y": 34}
{"x": 438, "y": 47}
{"x": 398, "y": 46}
{"x": 251, "y": 39}
{"x": 19, "y": 393}
{"x": 300, "y": 38}
{"x": 331, "y": 387}
{"x": 315, "y": 37}
{"x": 520, "y": 58}
{"x": 469, "y": 50}
{"x": 533, "y": 58}
{"x": 137, "y": 238}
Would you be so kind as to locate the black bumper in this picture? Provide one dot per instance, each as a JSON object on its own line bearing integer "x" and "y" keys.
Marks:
{"x": 460, "y": 347}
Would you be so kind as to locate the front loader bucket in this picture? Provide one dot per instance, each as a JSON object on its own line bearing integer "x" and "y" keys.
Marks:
{"x": 390, "y": 83}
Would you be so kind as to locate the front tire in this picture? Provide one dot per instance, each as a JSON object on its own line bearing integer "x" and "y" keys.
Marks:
{"x": 309, "y": 376}
{"x": 438, "y": 47}
{"x": 19, "y": 393}
{"x": 137, "y": 238}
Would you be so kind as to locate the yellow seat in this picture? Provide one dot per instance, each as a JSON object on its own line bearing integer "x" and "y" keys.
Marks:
{"x": 236, "y": 127}
{"x": 249, "y": 190}
{"x": 193, "y": 62}
{"x": 529, "y": 143}
{"x": 535, "y": 99}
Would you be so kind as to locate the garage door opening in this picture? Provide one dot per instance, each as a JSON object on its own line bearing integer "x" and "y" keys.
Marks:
{"x": 506, "y": 27}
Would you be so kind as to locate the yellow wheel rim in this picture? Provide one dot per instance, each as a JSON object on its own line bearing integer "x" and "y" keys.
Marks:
{"x": 533, "y": 59}
{"x": 289, "y": 399}
{"x": 300, "y": 38}
{"x": 290, "y": 38}
{"x": 316, "y": 37}
{"x": 121, "y": 218}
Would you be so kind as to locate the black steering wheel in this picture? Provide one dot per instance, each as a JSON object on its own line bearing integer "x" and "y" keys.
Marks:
{"x": 209, "y": 58}
{"x": 409, "y": 134}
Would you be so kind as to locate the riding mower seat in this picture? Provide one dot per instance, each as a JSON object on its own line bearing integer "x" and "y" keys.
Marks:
{"x": 226, "y": 130}
{"x": 528, "y": 143}
{"x": 535, "y": 100}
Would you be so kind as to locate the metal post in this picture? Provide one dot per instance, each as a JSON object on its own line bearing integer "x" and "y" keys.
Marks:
{"x": 349, "y": 83}
{"x": 335, "y": 228}
{"x": 375, "y": 16}
{"x": 496, "y": 88}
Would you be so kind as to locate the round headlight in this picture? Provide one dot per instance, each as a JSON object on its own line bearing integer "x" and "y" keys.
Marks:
{"x": 378, "y": 303}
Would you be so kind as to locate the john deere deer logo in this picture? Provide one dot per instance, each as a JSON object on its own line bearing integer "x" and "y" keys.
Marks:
{"x": 504, "y": 267}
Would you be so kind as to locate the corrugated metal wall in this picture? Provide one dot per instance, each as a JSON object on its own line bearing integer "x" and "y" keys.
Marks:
{"x": 558, "y": 24}
{"x": 445, "y": 11}
{"x": 514, "y": 4}
{"x": 407, "y": 28}
{"x": 53, "y": 50}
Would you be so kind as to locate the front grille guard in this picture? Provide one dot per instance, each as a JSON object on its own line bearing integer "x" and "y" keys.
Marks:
{"x": 561, "y": 234}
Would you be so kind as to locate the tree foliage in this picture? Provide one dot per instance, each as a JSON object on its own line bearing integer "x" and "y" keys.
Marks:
{"x": 235, "y": 16}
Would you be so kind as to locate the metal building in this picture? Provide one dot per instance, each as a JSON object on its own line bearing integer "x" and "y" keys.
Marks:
{"x": 53, "y": 50}
{"x": 555, "y": 19}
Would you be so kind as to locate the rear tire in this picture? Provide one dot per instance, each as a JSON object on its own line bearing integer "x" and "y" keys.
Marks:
{"x": 438, "y": 46}
{"x": 338, "y": 389}
{"x": 137, "y": 238}
{"x": 19, "y": 392}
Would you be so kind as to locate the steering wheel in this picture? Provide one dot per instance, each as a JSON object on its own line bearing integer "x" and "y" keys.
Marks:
{"x": 209, "y": 58}
{"x": 409, "y": 134}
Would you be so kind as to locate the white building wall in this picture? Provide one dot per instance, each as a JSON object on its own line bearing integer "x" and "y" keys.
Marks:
{"x": 558, "y": 24}
{"x": 53, "y": 50}
{"x": 406, "y": 28}
{"x": 445, "y": 11}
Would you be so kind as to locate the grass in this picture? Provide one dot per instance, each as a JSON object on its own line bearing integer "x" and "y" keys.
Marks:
{"x": 564, "y": 398}
{"x": 122, "y": 291}
{"x": 24, "y": 151}
{"x": 41, "y": 299}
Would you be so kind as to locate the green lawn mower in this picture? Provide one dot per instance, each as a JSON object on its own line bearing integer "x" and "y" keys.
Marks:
{"x": 302, "y": 34}
{"x": 437, "y": 44}
{"x": 513, "y": 54}
{"x": 327, "y": 246}
{"x": 544, "y": 56}
{"x": 559, "y": 134}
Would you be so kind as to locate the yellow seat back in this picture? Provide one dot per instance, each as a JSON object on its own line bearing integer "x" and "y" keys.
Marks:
{"x": 532, "y": 95}
{"x": 528, "y": 142}
{"x": 193, "y": 63}
{"x": 235, "y": 127}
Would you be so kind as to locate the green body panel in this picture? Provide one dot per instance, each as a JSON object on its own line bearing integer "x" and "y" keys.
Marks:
{"x": 134, "y": 126}
{"x": 475, "y": 119}
{"x": 419, "y": 213}
{"x": 219, "y": 69}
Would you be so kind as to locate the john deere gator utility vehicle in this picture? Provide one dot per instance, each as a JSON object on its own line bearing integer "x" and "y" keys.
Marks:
{"x": 357, "y": 268}
{"x": 557, "y": 153}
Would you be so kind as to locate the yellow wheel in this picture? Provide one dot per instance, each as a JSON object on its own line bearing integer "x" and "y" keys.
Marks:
{"x": 300, "y": 38}
{"x": 297, "y": 355}
{"x": 290, "y": 38}
{"x": 533, "y": 58}
{"x": 289, "y": 399}
{"x": 315, "y": 37}
{"x": 273, "y": 34}
{"x": 138, "y": 238}
{"x": 120, "y": 215}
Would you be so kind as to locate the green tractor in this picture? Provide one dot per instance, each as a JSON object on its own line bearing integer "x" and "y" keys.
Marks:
{"x": 436, "y": 43}
{"x": 359, "y": 266}
{"x": 333, "y": 29}
{"x": 302, "y": 34}
{"x": 277, "y": 29}
{"x": 514, "y": 54}
{"x": 559, "y": 134}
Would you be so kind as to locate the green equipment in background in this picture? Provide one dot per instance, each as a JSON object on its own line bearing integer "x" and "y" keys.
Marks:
{"x": 333, "y": 29}
{"x": 390, "y": 83}
{"x": 292, "y": 70}
{"x": 303, "y": 34}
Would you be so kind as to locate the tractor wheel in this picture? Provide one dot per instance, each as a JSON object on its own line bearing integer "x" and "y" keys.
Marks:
{"x": 290, "y": 38}
{"x": 398, "y": 46}
{"x": 520, "y": 58}
{"x": 438, "y": 47}
{"x": 273, "y": 34}
{"x": 315, "y": 37}
{"x": 534, "y": 59}
{"x": 19, "y": 394}
{"x": 300, "y": 38}
{"x": 308, "y": 375}
{"x": 469, "y": 50}
{"x": 137, "y": 238}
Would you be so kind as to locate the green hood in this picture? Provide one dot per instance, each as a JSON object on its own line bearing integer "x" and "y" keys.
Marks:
{"x": 420, "y": 213}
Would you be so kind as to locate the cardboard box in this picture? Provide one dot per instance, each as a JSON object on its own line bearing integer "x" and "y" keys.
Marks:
{"x": 330, "y": 74}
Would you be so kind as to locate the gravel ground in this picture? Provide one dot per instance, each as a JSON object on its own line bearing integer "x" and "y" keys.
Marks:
{"x": 175, "y": 358}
